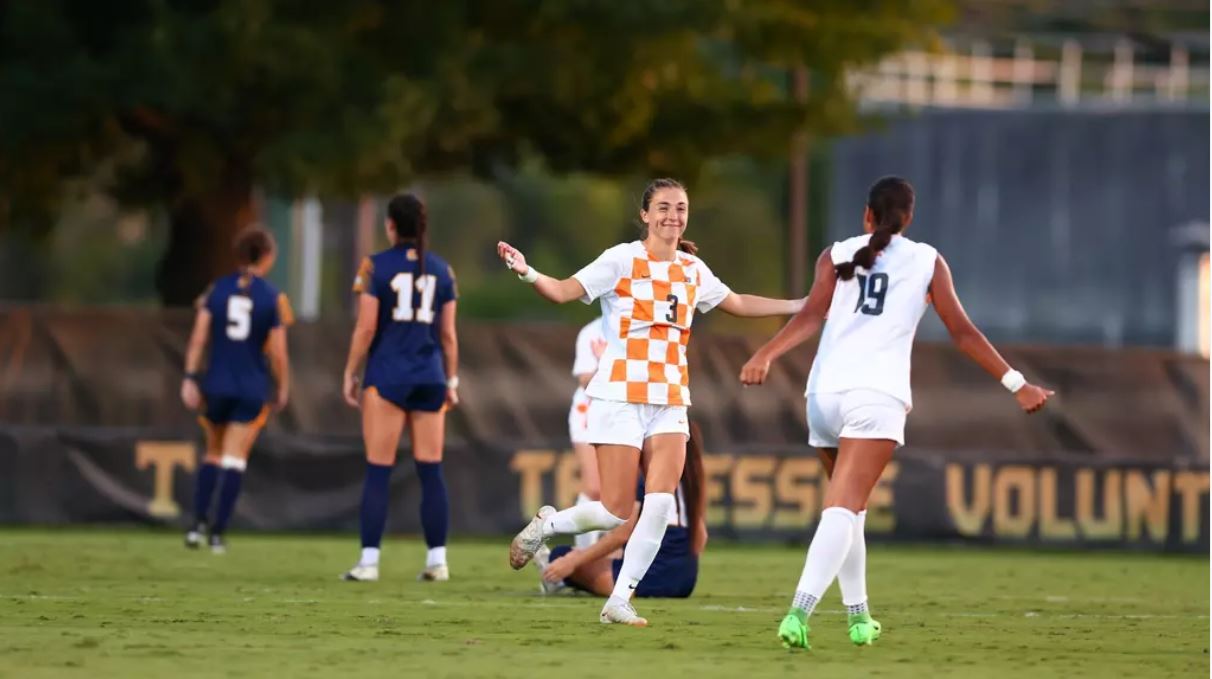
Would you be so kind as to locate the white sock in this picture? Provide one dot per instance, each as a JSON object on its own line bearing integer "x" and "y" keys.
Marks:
{"x": 579, "y": 519}
{"x": 852, "y": 577}
{"x": 644, "y": 544}
{"x": 829, "y": 547}
{"x": 436, "y": 556}
{"x": 370, "y": 556}
{"x": 585, "y": 540}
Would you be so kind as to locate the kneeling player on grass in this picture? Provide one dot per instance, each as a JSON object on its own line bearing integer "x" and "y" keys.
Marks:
{"x": 676, "y": 567}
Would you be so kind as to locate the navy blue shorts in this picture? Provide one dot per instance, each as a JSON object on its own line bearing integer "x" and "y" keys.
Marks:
{"x": 225, "y": 409}
{"x": 667, "y": 577}
{"x": 408, "y": 397}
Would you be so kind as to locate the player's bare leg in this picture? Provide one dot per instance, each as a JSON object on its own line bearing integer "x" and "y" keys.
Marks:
{"x": 205, "y": 484}
{"x": 382, "y": 425}
{"x": 859, "y": 464}
{"x": 852, "y": 578}
{"x": 618, "y": 468}
{"x": 428, "y": 431}
{"x": 238, "y": 439}
{"x": 663, "y": 459}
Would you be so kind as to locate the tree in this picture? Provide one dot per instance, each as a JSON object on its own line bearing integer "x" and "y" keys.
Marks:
{"x": 190, "y": 104}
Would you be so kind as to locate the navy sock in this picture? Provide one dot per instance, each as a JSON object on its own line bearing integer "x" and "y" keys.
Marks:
{"x": 558, "y": 552}
{"x": 435, "y": 507}
{"x": 204, "y": 490}
{"x": 229, "y": 492}
{"x": 376, "y": 491}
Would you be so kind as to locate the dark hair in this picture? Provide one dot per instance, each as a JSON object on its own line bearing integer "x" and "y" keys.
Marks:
{"x": 694, "y": 479}
{"x": 653, "y": 186}
{"x": 407, "y": 214}
{"x": 891, "y": 203}
{"x": 252, "y": 244}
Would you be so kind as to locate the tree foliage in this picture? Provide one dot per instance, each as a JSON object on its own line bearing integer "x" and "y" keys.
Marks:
{"x": 190, "y": 104}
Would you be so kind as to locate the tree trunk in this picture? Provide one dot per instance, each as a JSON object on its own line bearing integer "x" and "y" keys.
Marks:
{"x": 203, "y": 229}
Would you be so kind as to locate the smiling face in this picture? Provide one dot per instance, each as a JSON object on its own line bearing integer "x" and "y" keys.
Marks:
{"x": 667, "y": 213}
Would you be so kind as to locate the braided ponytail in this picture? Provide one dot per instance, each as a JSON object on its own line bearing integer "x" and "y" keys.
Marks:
{"x": 891, "y": 203}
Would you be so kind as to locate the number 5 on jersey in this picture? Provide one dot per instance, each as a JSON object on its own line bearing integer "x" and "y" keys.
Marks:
{"x": 403, "y": 286}
{"x": 239, "y": 317}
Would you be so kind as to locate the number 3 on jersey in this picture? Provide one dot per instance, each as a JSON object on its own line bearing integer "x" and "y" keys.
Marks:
{"x": 427, "y": 285}
{"x": 871, "y": 293}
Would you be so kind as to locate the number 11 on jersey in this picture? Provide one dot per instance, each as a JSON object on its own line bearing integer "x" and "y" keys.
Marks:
{"x": 403, "y": 286}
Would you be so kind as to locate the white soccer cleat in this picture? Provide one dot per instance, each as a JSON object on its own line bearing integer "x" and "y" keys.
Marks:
{"x": 195, "y": 537}
{"x": 362, "y": 573}
{"x": 541, "y": 560}
{"x": 617, "y": 612}
{"x": 530, "y": 539}
{"x": 439, "y": 573}
{"x": 217, "y": 544}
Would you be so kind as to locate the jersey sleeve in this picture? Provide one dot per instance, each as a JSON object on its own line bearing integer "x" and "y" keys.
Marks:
{"x": 363, "y": 281}
{"x": 601, "y": 275}
{"x": 286, "y": 314}
{"x": 448, "y": 287}
{"x": 711, "y": 291}
{"x": 585, "y": 362}
{"x": 203, "y": 300}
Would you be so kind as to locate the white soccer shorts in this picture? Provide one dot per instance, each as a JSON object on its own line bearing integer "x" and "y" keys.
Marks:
{"x": 629, "y": 424}
{"x": 855, "y": 414}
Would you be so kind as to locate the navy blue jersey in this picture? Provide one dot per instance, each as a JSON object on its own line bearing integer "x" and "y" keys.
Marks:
{"x": 406, "y": 349}
{"x": 243, "y": 309}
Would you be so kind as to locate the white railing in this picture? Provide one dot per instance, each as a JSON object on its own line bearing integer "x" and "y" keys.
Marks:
{"x": 976, "y": 78}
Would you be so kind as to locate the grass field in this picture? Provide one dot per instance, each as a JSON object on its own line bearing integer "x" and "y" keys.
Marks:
{"x": 129, "y": 603}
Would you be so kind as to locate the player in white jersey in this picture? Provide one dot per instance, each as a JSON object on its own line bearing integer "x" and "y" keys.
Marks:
{"x": 591, "y": 342}
{"x": 649, "y": 291}
{"x": 873, "y": 289}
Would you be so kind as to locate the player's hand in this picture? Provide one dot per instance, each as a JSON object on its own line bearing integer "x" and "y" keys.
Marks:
{"x": 559, "y": 569}
{"x": 1032, "y": 398}
{"x": 280, "y": 401}
{"x": 797, "y": 305}
{"x": 191, "y": 396}
{"x": 598, "y": 347}
{"x": 755, "y": 370}
{"x": 350, "y": 390}
{"x": 452, "y": 398}
{"x": 515, "y": 261}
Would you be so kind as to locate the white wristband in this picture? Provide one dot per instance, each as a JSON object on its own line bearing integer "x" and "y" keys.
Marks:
{"x": 1013, "y": 380}
{"x": 453, "y": 383}
{"x": 531, "y": 275}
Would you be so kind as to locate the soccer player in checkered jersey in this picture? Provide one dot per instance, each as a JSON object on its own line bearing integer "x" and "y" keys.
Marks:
{"x": 405, "y": 335}
{"x": 650, "y": 290}
{"x": 873, "y": 288}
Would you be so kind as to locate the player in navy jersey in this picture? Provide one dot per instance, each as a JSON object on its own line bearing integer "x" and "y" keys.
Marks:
{"x": 405, "y": 334}
{"x": 243, "y": 318}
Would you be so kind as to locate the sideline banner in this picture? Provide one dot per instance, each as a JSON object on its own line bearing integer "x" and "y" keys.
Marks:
{"x": 772, "y": 493}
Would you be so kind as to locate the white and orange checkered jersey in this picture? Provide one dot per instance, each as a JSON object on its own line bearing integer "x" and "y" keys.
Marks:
{"x": 648, "y": 306}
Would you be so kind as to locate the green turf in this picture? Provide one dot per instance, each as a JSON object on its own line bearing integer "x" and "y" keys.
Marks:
{"x": 106, "y": 603}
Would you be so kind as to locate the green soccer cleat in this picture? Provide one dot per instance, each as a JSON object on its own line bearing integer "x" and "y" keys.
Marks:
{"x": 793, "y": 631}
{"x": 864, "y": 630}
